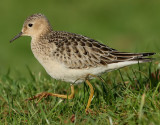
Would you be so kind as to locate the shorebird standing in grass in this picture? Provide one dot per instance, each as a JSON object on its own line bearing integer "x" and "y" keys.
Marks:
{"x": 71, "y": 57}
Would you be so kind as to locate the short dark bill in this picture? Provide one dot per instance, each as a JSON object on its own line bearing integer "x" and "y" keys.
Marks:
{"x": 16, "y": 37}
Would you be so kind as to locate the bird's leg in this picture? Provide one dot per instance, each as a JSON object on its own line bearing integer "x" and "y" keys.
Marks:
{"x": 45, "y": 94}
{"x": 91, "y": 90}
{"x": 90, "y": 97}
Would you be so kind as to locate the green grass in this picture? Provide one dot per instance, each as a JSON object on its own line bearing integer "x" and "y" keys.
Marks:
{"x": 129, "y": 96}
{"x": 131, "y": 26}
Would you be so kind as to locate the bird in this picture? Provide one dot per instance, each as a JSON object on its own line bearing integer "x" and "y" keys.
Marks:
{"x": 72, "y": 57}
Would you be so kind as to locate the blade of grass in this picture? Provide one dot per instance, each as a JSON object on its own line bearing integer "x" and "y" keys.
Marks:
{"x": 30, "y": 73}
{"x": 141, "y": 107}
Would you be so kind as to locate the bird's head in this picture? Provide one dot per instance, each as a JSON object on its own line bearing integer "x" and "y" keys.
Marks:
{"x": 34, "y": 26}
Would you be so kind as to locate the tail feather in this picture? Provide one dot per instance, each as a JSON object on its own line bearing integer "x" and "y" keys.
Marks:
{"x": 124, "y": 56}
{"x": 125, "y": 59}
{"x": 141, "y": 60}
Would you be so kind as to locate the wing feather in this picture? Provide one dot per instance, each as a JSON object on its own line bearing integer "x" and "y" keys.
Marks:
{"x": 78, "y": 52}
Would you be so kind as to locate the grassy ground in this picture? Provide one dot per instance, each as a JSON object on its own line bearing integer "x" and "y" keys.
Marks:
{"x": 129, "y": 96}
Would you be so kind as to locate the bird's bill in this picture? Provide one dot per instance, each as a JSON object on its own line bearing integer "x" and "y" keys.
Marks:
{"x": 16, "y": 37}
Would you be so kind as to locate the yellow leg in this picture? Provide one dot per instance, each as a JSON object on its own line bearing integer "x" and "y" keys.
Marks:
{"x": 45, "y": 94}
{"x": 90, "y": 97}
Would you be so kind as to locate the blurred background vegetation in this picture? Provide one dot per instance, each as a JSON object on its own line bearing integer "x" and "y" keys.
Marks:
{"x": 126, "y": 25}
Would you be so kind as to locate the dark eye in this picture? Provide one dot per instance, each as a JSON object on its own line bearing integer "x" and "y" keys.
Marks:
{"x": 30, "y": 25}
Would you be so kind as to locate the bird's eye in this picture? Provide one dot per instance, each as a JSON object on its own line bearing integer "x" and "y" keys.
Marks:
{"x": 30, "y": 25}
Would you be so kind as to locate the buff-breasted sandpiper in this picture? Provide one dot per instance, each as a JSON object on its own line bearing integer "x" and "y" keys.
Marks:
{"x": 71, "y": 57}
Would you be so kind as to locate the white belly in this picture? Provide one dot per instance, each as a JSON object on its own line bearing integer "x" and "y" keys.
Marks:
{"x": 58, "y": 71}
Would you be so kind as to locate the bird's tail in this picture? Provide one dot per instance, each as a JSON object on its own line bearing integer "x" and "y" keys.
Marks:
{"x": 124, "y": 59}
{"x": 124, "y": 56}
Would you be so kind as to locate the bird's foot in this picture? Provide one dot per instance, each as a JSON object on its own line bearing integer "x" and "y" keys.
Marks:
{"x": 40, "y": 96}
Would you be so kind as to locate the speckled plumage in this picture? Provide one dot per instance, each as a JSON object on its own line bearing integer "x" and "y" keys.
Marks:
{"x": 79, "y": 52}
{"x": 71, "y": 57}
